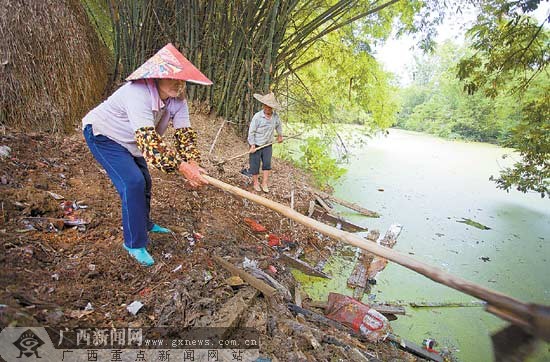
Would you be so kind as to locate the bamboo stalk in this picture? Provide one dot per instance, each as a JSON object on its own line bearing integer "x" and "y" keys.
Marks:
{"x": 520, "y": 310}
{"x": 216, "y": 138}
{"x": 244, "y": 46}
{"x": 349, "y": 205}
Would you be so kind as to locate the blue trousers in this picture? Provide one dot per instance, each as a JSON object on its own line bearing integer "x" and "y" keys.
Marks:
{"x": 132, "y": 180}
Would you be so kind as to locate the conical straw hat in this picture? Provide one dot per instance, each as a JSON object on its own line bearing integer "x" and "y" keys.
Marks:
{"x": 269, "y": 100}
{"x": 169, "y": 63}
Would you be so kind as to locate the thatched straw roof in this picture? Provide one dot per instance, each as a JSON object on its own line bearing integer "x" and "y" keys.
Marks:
{"x": 52, "y": 65}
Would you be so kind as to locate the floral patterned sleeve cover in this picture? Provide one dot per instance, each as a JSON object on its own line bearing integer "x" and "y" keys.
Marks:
{"x": 157, "y": 153}
{"x": 186, "y": 144}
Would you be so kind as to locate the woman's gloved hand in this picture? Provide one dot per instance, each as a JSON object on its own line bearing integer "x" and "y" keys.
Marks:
{"x": 193, "y": 173}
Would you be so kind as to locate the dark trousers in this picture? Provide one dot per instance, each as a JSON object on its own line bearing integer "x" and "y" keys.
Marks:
{"x": 264, "y": 155}
{"x": 132, "y": 180}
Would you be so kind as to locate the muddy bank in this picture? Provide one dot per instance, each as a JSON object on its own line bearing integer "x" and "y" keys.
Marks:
{"x": 64, "y": 265}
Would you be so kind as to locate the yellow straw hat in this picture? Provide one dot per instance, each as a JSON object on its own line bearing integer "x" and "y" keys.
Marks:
{"x": 268, "y": 99}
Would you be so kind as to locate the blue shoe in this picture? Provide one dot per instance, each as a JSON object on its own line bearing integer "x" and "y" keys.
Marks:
{"x": 141, "y": 255}
{"x": 160, "y": 229}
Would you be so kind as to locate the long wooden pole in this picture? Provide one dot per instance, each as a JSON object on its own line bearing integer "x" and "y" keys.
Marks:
{"x": 243, "y": 154}
{"x": 536, "y": 316}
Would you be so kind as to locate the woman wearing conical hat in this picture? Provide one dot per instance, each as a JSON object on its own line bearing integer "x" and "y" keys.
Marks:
{"x": 261, "y": 131}
{"x": 124, "y": 134}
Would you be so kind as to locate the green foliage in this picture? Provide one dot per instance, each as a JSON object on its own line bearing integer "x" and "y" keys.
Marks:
{"x": 436, "y": 104}
{"x": 509, "y": 47}
{"x": 316, "y": 160}
{"x": 532, "y": 173}
{"x": 98, "y": 13}
{"x": 511, "y": 56}
{"x": 344, "y": 85}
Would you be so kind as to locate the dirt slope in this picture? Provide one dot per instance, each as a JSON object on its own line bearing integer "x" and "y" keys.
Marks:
{"x": 51, "y": 274}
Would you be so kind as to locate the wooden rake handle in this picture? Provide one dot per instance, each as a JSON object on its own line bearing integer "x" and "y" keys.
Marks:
{"x": 257, "y": 148}
{"x": 533, "y": 317}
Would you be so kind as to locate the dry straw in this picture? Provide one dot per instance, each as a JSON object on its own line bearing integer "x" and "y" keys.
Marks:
{"x": 52, "y": 65}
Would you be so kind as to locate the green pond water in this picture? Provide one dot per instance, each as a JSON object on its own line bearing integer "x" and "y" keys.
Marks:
{"x": 431, "y": 187}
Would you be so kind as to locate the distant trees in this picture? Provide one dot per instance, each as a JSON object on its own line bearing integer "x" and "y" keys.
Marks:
{"x": 512, "y": 53}
{"x": 436, "y": 103}
{"x": 496, "y": 90}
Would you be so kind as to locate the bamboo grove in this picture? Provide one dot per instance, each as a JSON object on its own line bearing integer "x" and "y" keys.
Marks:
{"x": 244, "y": 46}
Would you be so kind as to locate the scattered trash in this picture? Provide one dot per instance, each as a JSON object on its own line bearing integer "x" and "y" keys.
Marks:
{"x": 377, "y": 265}
{"x": 79, "y": 313}
{"x": 273, "y": 240}
{"x": 74, "y": 222}
{"x": 381, "y": 190}
{"x": 50, "y": 224}
{"x": 4, "y": 151}
{"x": 254, "y": 225}
{"x": 167, "y": 255}
{"x": 252, "y": 267}
{"x": 88, "y": 307}
{"x": 429, "y": 345}
{"x": 249, "y": 264}
{"x": 27, "y": 226}
{"x": 55, "y": 277}
{"x": 145, "y": 291}
{"x": 272, "y": 269}
{"x": 303, "y": 266}
{"x": 27, "y": 251}
{"x": 67, "y": 207}
{"x": 54, "y": 227}
{"x": 473, "y": 223}
{"x": 234, "y": 282}
{"x": 360, "y": 317}
{"x": 134, "y": 307}
{"x": 55, "y": 196}
{"x": 177, "y": 268}
{"x": 485, "y": 258}
{"x": 288, "y": 243}
{"x": 91, "y": 267}
{"x": 79, "y": 205}
{"x": 192, "y": 238}
{"x": 207, "y": 276}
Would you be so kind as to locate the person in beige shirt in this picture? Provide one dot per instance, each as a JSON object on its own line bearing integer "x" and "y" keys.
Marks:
{"x": 260, "y": 133}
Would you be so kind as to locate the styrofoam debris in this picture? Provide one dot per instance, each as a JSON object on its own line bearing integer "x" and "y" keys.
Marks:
{"x": 134, "y": 307}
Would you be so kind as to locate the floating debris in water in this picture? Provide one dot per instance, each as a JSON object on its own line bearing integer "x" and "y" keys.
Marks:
{"x": 473, "y": 223}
